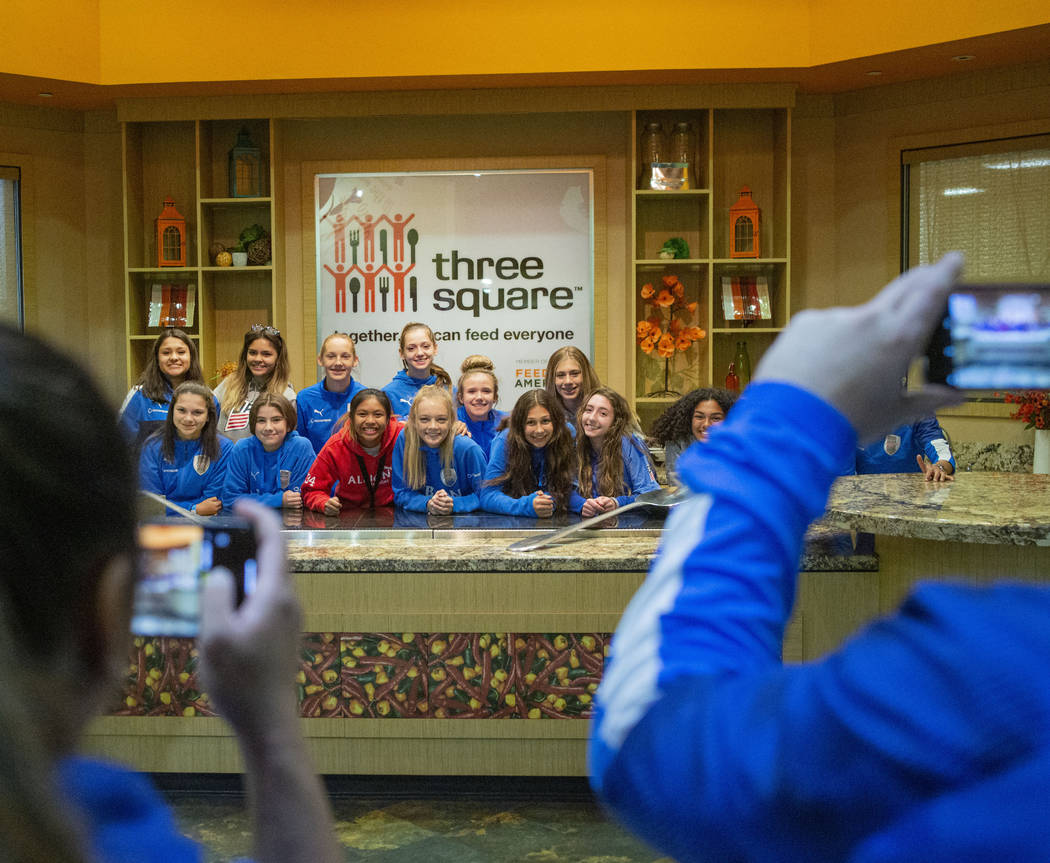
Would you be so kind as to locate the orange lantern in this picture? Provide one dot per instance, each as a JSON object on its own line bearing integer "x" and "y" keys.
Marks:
{"x": 743, "y": 227}
{"x": 171, "y": 236}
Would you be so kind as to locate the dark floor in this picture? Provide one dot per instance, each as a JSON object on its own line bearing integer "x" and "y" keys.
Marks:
{"x": 429, "y": 820}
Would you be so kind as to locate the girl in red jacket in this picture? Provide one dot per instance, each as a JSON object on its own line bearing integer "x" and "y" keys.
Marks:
{"x": 353, "y": 468}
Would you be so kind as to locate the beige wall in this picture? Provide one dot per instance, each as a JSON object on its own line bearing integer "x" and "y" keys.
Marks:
{"x": 845, "y": 193}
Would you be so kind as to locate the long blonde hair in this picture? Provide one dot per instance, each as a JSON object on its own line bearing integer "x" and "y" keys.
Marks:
{"x": 415, "y": 461}
{"x": 240, "y": 381}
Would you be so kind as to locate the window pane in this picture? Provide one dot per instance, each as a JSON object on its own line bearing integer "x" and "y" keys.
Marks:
{"x": 10, "y": 248}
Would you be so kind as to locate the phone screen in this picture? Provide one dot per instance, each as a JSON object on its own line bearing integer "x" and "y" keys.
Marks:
{"x": 175, "y": 558}
{"x": 993, "y": 336}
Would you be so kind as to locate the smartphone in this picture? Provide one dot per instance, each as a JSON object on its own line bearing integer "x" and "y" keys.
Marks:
{"x": 176, "y": 555}
{"x": 993, "y": 336}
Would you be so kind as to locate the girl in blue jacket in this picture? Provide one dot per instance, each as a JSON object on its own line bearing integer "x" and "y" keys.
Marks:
{"x": 477, "y": 393}
{"x": 614, "y": 467}
{"x": 417, "y": 350}
{"x": 271, "y": 465}
{"x": 533, "y": 461}
{"x": 172, "y": 361}
{"x": 185, "y": 460}
{"x": 320, "y": 407}
{"x": 435, "y": 470}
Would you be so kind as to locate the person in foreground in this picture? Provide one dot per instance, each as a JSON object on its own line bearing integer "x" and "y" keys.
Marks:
{"x": 924, "y": 738}
{"x": 65, "y": 606}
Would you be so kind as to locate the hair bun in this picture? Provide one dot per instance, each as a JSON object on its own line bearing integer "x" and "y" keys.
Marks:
{"x": 477, "y": 363}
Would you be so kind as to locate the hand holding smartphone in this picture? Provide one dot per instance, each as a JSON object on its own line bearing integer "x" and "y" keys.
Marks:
{"x": 176, "y": 557}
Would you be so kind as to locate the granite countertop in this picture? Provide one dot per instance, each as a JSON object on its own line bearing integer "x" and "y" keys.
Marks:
{"x": 999, "y": 508}
{"x": 479, "y": 542}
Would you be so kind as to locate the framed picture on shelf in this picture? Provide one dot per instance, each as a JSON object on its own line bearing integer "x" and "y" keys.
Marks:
{"x": 172, "y": 305}
{"x": 746, "y": 298}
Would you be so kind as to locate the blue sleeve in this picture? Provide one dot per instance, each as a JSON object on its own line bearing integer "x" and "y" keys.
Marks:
{"x": 404, "y": 497}
{"x": 131, "y": 414}
{"x": 493, "y": 499}
{"x": 301, "y": 417}
{"x": 302, "y": 459}
{"x": 217, "y": 472}
{"x": 237, "y": 482}
{"x": 711, "y": 750}
{"x": 929, "y": 436}
{"x": 470, "y": 467}
{"x": 637, "y": 472}
{"x": 149, "y": 467}
{"x": 576, "y": 500}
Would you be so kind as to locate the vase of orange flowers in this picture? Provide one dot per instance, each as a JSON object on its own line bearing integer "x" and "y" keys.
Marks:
{"x": 669, "y": 329}
{"x": 1033, "y": 409}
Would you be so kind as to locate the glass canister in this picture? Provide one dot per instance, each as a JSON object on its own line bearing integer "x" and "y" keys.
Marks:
{"x": 654, "y": 149}
{"x": 683, "y": 151}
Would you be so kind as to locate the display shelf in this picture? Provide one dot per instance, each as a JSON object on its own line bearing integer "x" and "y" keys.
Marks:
{"x": 735, "y": 148}
{"x": 188, "y": 160}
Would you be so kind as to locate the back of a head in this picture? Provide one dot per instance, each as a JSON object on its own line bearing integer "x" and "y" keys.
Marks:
{"x": 67, "y": 488}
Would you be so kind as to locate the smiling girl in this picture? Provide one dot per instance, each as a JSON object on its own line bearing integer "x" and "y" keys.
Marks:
{"x": 435, "y": 470}
{"x": 320, "y": 407}
{"x": 262, "y": 367}
{"x": 271, "y": 465}
{"x": 614, "y": 468}
{"x": 172, "y": 361}
{"x": 417, "y": 350}
{"x": 689, "y": 419}
{"x": 533, "y": 462}
{"x": 185, "y": 460}
{"x": 569, "y": 377}
{"x": 477, "y": 393}
{"x": 355, "y": 466}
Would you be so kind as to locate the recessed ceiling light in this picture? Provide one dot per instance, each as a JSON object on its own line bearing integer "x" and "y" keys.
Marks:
{"x": 874, "y": 72}
{"x": 45, "y": 95}
{"x": 962, "y": 58}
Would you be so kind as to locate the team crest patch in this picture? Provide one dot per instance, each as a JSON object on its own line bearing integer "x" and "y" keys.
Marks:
{"x": 201, "y": 463}
{"x": 891, "y": 444}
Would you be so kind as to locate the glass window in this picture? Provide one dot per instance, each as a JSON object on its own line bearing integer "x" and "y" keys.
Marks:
{"x": 10, "y": 247}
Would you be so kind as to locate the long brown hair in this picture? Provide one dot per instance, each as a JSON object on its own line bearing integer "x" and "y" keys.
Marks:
{"x": 209, "y": 434}
{"x": 443, "y": 377}
{"x": 155, "y": 384}
{"x": 415, "y": 461}
{"x": 559, "y": 453}
{"x": 241, "y": 380}
{"x": 610, "y": 458}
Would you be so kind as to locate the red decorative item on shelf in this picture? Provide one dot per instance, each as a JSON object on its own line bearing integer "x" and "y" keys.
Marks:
{"x": 732, "y": 381}
{"x": 744, "y": 227}
{"x": 171, "y": 236}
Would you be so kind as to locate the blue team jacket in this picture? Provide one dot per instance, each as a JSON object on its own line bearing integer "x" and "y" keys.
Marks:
{"x": 468, "y": 463}
{"x": 637, "y": 474}
{"x": 190, "y": 479}
{"x": 402, "y": 391}
{"x": 253, "y": 472}
{"x": 897, "y": 451}
{"x": 483, "y": 432}
{"x": 318, "y": 410}
{"x": 493, "y": 498}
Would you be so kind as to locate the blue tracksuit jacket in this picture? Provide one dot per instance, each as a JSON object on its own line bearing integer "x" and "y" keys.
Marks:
{"x": 469, "y": 466}
{"x": 318, "y": 410}
{"x": 484, "y": 431}
{"x": 189, "y": 480}
{"x": 493, "y": 498}
{"x": 402, "y": 391}
{"x": 253, "y": 472}
{"x": 637, "y": 474}
{"x": 922, "y": 739}
{"x": 897, "y": 451}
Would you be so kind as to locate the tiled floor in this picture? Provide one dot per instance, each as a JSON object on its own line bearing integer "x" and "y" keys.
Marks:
{"x": 498, "y": 823}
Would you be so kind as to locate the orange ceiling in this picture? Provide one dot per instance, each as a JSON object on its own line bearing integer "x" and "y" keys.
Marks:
{"x": 89, "y": 53}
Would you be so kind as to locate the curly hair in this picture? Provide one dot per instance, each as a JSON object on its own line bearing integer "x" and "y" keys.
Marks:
{"x": 610, "y": 459}
{"x": 559, "y": 453}
{"x": 676, "y": 423}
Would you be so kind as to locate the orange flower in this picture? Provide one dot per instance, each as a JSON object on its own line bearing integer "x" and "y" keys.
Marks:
{"x": 692, "y": 307}
{"x": 695, "y": 333}
{"x": 655, "y": 320}
{"x": 679, "y": 289}
{"x": 655, "y": 332}
{"x": 684, "y": 343}
{"x": 675, "y": 327}
{"x": 643, "y": 329}
{"x": 670, "y": 281}
{"x": 647, "y": 291}
{"x": 666, "y": 347}
{"x": 664, "y": 299}
{"x": 647, "y": 345}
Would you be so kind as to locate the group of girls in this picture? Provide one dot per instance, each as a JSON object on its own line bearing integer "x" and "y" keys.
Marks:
{"x": 419, "y": 442}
